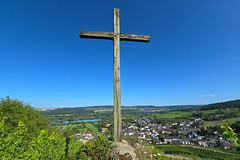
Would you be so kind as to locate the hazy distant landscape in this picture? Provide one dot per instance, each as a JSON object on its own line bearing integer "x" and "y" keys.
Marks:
{"x": 198, "y": 126}
{"x": 212, "y": 114}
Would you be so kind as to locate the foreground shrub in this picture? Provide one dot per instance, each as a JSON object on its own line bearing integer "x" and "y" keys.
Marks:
{"x": 98, "y": 148}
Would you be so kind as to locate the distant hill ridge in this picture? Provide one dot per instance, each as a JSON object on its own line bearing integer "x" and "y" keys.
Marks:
{"x": 137, "y": 106}
{"x": 72, "y": 110}
{"x": 222, "y": 105}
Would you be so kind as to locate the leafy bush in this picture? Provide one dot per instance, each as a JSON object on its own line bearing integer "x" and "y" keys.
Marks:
{"x": 50, "y": 146}
{"x": 15, "y": 111}
{"x": 98, "y": 148}
{"x": 47, "y": 147}
{"x": 26, "y": 134}
{"x": 14, "y": 145}
{"x": 228, "y": 133}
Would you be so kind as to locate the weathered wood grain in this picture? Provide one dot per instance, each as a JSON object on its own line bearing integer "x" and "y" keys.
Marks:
{"x": 134, "y": 37}
{"x": 110, "y": 35}
{"x": 116, "y": 70}
{"x": 96, "y": 35}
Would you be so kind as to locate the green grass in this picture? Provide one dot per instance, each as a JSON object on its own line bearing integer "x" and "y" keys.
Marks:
{"x": 91, "y": 127}
{"x": 218, "y": 123}
{"x": 177, "y": 114}
{"x": 209, "y": 111}
{"x": 173, "y": 114}
{"x": 73, "y": 125}
{"x": 103, "y": 111}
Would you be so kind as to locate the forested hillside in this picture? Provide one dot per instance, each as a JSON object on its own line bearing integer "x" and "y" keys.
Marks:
{"x": 222, "y": 105}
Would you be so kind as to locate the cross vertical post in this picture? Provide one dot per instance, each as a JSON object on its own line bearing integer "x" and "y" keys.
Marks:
{"x": 116, "y": 66}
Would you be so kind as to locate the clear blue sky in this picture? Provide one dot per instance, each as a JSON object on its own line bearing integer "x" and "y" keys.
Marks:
{"x": 193, "y": 56}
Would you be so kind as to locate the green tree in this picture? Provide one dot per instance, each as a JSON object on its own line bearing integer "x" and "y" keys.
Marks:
{"x": 16, "y": 111}
{"x": 160, "y": 137}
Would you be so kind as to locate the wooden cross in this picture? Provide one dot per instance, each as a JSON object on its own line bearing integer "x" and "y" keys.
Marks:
{"x": 116, "y": 36}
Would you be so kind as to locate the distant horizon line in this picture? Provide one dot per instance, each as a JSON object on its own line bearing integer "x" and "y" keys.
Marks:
{"x": 124, "y": 106}
{"x": 136, "y": 105}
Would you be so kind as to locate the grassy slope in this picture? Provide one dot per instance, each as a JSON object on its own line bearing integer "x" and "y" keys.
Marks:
{"x": 91, "y": 127}
{"x": 218, "y": 123}
{"x": 176, "y": 114}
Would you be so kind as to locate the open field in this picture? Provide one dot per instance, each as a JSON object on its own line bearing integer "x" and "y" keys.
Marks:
{"x": 218, "y": 123}
{"x": 47, "y": 109}
{"x": 176, "y": 114}
{"x": 91, "y": 127}
{"x": 103, "y": 111}
{"x": 172, "y": 114}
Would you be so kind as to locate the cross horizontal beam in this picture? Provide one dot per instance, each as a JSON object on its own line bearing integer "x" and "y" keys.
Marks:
{"x": 110, "y": 35}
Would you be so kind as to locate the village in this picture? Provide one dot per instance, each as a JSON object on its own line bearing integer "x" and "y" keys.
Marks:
{"x": 183, "y": 133}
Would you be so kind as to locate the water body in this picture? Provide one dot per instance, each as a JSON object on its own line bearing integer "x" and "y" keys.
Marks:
{"x": 78, "y": 121}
